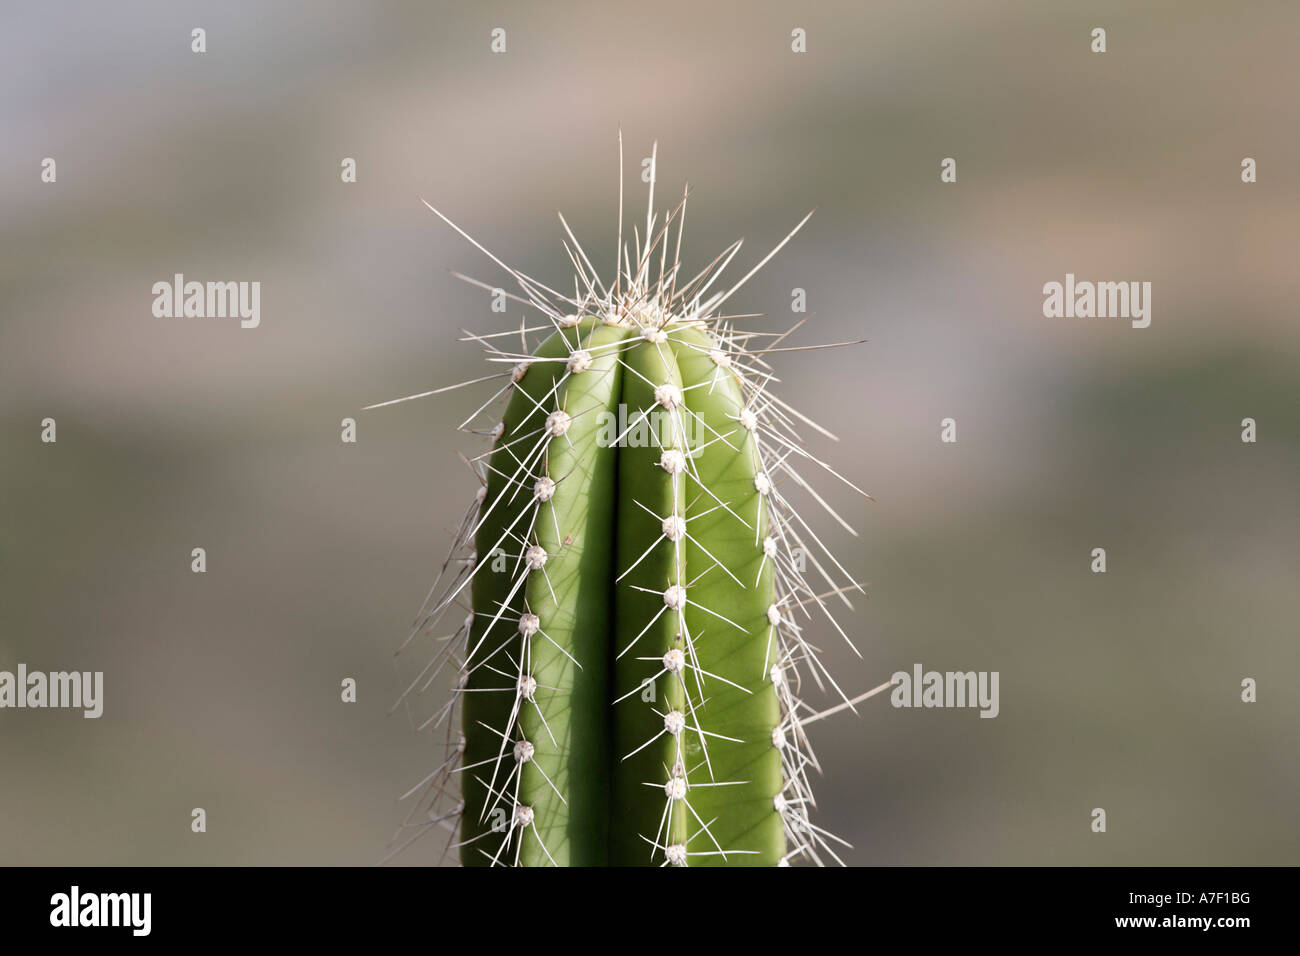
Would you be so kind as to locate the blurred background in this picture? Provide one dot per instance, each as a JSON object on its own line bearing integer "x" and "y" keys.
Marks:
{"x": 1118, "y": 690}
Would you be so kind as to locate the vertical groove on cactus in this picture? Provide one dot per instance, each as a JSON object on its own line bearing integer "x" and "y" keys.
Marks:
{"x": 631, "y": 659}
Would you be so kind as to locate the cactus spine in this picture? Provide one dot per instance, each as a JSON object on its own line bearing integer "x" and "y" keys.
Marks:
{"x": 629, "y": 662}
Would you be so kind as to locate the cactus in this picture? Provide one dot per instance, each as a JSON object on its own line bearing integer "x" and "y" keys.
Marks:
{"x": 634, "y": 577}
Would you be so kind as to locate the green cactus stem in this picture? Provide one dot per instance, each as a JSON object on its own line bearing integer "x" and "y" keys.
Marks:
{"x": 636, "y": 587}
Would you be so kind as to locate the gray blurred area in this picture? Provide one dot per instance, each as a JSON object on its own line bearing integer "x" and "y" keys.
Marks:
{"x": 1118, "y": 690}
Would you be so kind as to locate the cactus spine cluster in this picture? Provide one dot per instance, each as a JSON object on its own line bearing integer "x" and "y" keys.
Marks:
{"x": 635, "y": 581}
